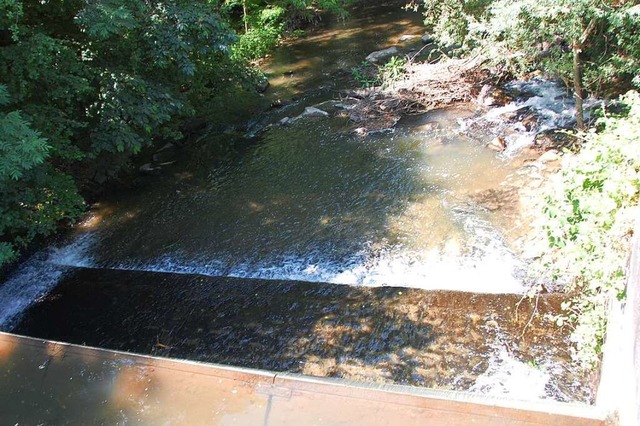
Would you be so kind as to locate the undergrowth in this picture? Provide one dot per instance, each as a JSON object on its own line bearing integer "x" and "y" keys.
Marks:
{"x": 589, "y": 223}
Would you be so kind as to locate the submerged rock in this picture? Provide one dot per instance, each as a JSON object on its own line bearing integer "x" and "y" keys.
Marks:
{"x": 285, "y": 121}
{"x": 149, "y": 168}
{"x": 406, "y": 37}
{"x": 313, "y": 112}
{"x": 382, "y": 55}
{"x": 497, "y": 199}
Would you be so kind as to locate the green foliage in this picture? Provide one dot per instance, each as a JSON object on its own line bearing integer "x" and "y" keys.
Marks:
{"x": 21, "y": 147}
{"x": 34, "y": 196}
{"x": 591, "y": 214}
{"x": 263, "y": 23}
{"x": 525, "y": 34}
{"x": 86, "y": 84}
{"x": 265, "y": 29}
{"x": 392, "y": 71}
{"x": 368, "y": 75}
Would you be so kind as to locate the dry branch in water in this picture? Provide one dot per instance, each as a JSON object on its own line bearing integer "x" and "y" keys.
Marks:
{"x": 425, "y": 87}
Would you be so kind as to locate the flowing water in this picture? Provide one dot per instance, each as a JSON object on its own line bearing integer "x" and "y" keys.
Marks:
{"x": 294, "y": 210}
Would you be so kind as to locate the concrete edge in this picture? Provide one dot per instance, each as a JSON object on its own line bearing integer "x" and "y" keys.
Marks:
{"x": 399, "y": 394}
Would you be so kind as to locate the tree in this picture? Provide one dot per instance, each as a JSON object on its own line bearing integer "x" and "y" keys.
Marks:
{"x": 33, "y": 196}
{"x": 263, "y": 22}
{"x": 591, "y": 44}
{"x": 92, "y": 83}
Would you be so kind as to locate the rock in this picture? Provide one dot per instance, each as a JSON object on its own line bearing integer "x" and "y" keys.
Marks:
{"x": 382, "y": 55}
{"x": 428, "y": 38}
{"x": 529, "y": 121}
{"x": 314, "y": 112}
{"x": 285, "y": 121}
{"x": 262, "y": 85}
{"x": 497, "y": 144}
{"x": 500, "y": 98}
{"x": 166, "y": 146}
{"x": 406, "y": 37}
{"x": 517, "y": 114}
{"x": 166, "y": 156}
{"x": 194, "y": 127}
{"x": 149, "y": 168}
{"x": 483, "y": 96}
{"x": 554, "y": 139}
{"x": 549, "y": 156}
{"x": 361, "y": 131}
{"x": 278, "y": 103}
{"x": 505, "y": 199}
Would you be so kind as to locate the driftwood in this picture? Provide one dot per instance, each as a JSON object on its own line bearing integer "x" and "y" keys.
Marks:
{"x": 425, "y": 87}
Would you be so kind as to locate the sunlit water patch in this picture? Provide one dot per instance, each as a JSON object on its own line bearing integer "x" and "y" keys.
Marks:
{"x": 313, "y": 202}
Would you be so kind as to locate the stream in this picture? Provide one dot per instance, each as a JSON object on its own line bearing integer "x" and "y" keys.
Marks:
{"x": 307, "y": 248}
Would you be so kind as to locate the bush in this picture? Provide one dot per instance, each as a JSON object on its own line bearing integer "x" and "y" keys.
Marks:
{"x": 591, "y": 214}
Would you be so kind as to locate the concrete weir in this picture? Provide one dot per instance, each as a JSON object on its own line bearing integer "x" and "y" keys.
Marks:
{"x": 46, "y": 382}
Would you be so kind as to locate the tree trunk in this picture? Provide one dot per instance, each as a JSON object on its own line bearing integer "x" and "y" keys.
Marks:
{"x": 578, "y": 44}
{"x": 244, "y": 16}
{"x": 577, "y": 84}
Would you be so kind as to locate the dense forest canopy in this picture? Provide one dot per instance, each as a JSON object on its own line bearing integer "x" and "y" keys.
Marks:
{"x": 86, "y": 84}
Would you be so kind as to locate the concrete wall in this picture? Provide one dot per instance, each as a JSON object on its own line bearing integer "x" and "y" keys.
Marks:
{"x": 619, "y": 390}
{"x": 630, "y": 414}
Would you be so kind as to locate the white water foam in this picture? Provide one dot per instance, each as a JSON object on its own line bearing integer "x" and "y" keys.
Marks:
{"x": 38, "y": 276}
{"x": 542, "y": 378}
{"x": 486, "y": 266}
{"x": 508, "y": 376}
{"x": 549, "y": 101}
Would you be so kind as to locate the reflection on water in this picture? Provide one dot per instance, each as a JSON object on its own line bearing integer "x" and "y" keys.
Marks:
{"x": 313, "y": 202}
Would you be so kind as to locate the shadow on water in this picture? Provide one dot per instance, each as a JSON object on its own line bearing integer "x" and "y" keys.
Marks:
{"x": 394, "y": 335}
{"x": 306, "y": 195}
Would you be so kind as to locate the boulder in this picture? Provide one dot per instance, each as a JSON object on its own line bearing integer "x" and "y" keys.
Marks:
{"x": 554, "y": 139}
{"x": 314, "y": 112}
{"x": 497, "y": 144}
{"x": 428, "y": 38}
{"x": 549, "y": 156}
{"x": 406, "y": 37}
{"x": 382, "y": 55}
